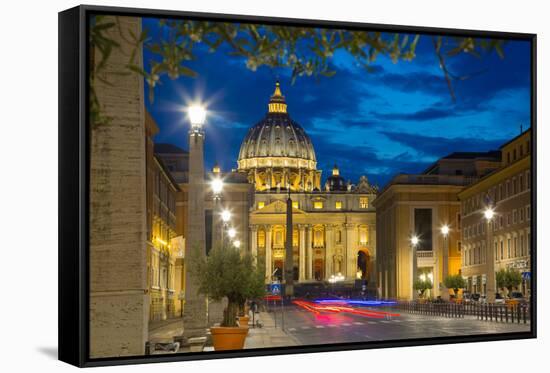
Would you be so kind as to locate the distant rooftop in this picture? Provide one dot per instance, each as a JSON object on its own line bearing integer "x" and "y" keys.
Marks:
{"x": 166, "y": 148}
{"x": 491, "y": 154}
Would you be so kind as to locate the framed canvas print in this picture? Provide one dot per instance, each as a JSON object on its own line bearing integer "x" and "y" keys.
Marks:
{"x": 235, "y": 186}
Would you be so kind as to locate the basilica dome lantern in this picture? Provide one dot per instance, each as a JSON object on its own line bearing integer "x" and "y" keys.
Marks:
{"x": 336, "y": 182}
{"x": 277, "y": 153}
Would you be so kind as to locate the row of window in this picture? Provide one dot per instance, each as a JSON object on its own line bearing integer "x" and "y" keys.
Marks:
{"x": 508, "y": 188}
{"x": 319, "y": 205}
{"x": 517, "y": 216}
{"x": 158, "y": 277}
{"x": 509, "y": 248}
{"x": 318, "y": 236}
{"x": 518, "y": 152}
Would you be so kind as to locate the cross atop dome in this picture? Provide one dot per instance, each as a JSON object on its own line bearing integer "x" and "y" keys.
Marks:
{"x": 277, "y": 103}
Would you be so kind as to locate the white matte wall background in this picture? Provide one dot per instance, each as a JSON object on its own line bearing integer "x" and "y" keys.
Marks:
{"x": 28, "y": 184}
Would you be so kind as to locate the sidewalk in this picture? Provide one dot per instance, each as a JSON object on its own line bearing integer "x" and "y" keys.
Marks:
{"x": 165, "y": 330}
{"x": 268, "y": 335}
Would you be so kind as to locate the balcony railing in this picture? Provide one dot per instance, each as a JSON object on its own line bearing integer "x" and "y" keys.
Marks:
{"x": 425, "y": 254}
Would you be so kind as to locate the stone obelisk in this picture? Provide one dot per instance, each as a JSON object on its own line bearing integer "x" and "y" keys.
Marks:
{"x": 195, "y": 311}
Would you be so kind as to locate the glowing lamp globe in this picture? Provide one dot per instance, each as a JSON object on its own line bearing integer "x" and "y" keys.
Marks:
{"x": 217, "y": 185}
{"x": 226, "y": 215}
{"x": 414, "y": 240}
{"x": 489, "y": 213}
{"x": 197, "y": 115}
{"x": 237, "y": 243}
{"x": 445, "y": 230}
{"x": 232, "y": 233}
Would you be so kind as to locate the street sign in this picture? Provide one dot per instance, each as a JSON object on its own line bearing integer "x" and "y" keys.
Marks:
{"x": 276, "y": 289}
{"x": 526, "y": 275}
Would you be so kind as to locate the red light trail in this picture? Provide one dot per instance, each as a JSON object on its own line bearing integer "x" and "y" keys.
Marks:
{"x": 342, "y": 308}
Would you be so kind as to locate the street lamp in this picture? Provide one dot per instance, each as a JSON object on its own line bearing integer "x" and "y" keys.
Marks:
{"x": 490, "y": 287}
{"x": 197, "y": 116}
{"x": 231, "y": 233}
{"x": 414, "y": 244}
{"x": 237, "y": 243}
{"x": 489, "y": 213}
{"x": 226, "y": 215}
{"x": 195, "y": 311}
{"x": 217, "y": 186}
{"x": 445, "y": 232}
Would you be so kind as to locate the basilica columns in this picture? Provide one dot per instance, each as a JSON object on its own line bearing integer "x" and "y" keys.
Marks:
{"x": 302, "y": 269}
{"x": 329, "y": 251}
{"x": 351, "y": 258}
{"x": 254, "y": 242}
{"x": 268, "y": 254}
{"x": 309, "y": 244}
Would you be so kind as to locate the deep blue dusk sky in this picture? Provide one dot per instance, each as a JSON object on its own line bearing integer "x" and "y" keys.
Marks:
{"x": 397, "y": 118}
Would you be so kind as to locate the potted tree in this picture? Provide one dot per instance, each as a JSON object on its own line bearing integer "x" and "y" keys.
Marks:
{"x": 508, "y": 279}
{"x": 254, "y": 289}
{"x": 455, "y": 282}
{"x": 228, "y": 273}
{"x": 421, "y": 286}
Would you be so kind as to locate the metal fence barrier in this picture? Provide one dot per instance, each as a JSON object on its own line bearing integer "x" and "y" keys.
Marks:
{"x": 509, "y": 313}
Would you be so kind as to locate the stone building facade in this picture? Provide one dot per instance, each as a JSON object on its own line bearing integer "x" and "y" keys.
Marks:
{"x": 334, "y": 226}
{"x": 334, "y": 233}
{"x": 162, "y": 252}
{"x": 420, "y": 205}
{"x": 508, "y": 192}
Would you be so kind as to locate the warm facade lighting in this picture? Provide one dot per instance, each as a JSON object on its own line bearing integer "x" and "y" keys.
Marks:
{"x": 414, "y": 240}
{"x": 161, "y": 241}
{"x": 445, "y": 230}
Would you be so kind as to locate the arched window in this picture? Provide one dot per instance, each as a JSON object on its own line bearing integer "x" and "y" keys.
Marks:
{"x": 261, "y": 238}
{"x": 278, "y": 237}
{"x": 318, "y": 236}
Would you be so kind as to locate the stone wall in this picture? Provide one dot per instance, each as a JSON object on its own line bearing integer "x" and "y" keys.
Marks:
{"x": 118, "y": 289}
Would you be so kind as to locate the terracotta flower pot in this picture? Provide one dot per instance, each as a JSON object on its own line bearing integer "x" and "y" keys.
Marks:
{"x": 228, "y": 338}
{"x": 243, "y": 320}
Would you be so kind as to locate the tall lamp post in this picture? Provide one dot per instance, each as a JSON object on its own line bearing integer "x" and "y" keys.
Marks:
{"x": 217, "y": 232}
{"x": 414, "y": 244}
{"x": 226, "y": 216}
{"x": 445, "y": 233}
{"x": 288, "y": 273}
{"x": 488, "y": 214}
{"x": 195, "y": 309}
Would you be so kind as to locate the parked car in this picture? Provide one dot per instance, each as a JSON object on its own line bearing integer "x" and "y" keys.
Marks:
{"x": 516, "y": 297}
{"x": 475, "y": 297}
{"x": 499, "y": 299}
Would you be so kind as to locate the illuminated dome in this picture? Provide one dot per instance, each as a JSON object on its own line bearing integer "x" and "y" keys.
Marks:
{"x": 277, "y": 151}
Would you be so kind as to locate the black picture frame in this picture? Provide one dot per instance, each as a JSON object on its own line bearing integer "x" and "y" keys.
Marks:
{"x": 74, "y": 186}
